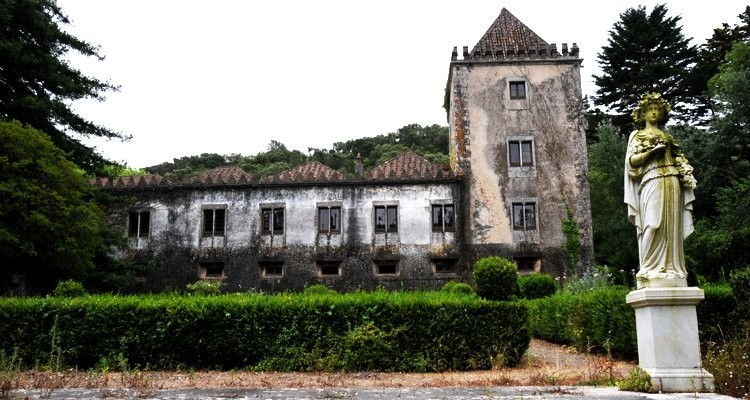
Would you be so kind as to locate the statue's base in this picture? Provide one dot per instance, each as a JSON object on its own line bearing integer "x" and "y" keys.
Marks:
{"x": 668, "y": 345}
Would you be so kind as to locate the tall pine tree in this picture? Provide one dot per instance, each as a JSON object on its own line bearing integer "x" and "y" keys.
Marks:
{"x": 645, "y": 53}
{"x": 37, "y": 84}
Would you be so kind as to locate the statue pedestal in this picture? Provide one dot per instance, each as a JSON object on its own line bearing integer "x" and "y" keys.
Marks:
{"x": 668, "y": 345}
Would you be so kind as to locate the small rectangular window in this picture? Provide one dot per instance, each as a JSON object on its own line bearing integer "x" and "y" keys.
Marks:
{"x": 524, "y": 216}
{"x": 139, "y": 224}
{"x": 329, "y": 219}
{"x": 329, "y": 268}
{"x": 517, "y": 90}
{"x": 271, "y": 269}
{"x": 386, "y": 267}
{"x": 272, "y": 220}
{"x": 386, "y": 218}
{"x": 443, "y": 218}
{"x": 214, "y": 221}
{"x": 520, "y": 153}
{"x": 445, "y": 265}
{"x": 212, "y": 270}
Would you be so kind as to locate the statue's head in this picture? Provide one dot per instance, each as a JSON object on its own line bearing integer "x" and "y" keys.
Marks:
{"x": 649, "y": 100}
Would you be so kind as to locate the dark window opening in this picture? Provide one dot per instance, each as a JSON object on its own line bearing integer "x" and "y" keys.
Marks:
{"x": 329, "y": 219}
{"x": 273, "y": 220}
{"x": 212, "y": 270}
{"x": 214, "y": 221}
{"x": 445, "y": 265}
{"x": 443, "y": 217}
{"x": 524, "y": 216}
{"x": 517, "y": 90}
{"x": 272, "y": 269}
{"x": 139, "y": 224}
{"x": 329, "y": 268}
{"x": 386, "y": 218}
{"x": 526, "y": 264}
{"x": 386, "y": 267}
{"x": 521, "y": 153}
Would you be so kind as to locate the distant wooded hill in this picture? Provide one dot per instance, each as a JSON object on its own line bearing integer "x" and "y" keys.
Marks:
{"x": 431, "y": 142}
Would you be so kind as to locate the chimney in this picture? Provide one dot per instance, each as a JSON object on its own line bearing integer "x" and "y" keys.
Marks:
{"x": 359, "y": 167}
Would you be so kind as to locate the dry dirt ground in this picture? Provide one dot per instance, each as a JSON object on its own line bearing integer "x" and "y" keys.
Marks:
{"x": 544, "y": 364}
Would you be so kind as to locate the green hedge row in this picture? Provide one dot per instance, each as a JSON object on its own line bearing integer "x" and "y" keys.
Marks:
{"x": 600, "y": 320}
{"x": 419, "y": 331}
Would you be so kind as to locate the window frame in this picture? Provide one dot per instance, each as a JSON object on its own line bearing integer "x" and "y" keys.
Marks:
{"x": 205, "y": 266}
{"x": 379, "y": 264}
{"x": 513, "y": 89}
{"x": 441, "y": 226}
{"x": 322, "y": 265}
{"x": 268, "y": 264}
{"x": 139, "y": 231}
{"x": 389, "y": 217}
{"x": 517, "y": 145}
{"x": 328, "y": 209}
{"x": 523, "y": 225}
{"x": 213, "y": 209}
{"x": 270, "y": 226}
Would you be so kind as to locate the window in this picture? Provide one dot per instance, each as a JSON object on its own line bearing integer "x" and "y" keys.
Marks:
{"x": 214, "y": 221}
{"x": 271, "y": 269}
{"x": 521, "y": 153}
{"x": 273, "y": 220}
{"x": 386, "y": 267}
{"x": 212, "y": 270}
{"x": 445, "y": 265}
{"x": 329, "y": 219}
{"x": 386, "y": 218}
{"x": 329, "y": 268}
{"x": 517, "y": 90}
{"x": 527, "y": 265}
{"x": 443, "y": 218}
{"x": 524, "y": 216}
{"x": 139, "y": 224}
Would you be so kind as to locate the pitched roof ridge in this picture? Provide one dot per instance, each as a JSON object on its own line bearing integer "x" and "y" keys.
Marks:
{"x": 508, "y": 31}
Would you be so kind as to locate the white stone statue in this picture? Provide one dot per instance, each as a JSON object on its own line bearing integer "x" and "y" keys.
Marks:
{"x": 659, "y": 194}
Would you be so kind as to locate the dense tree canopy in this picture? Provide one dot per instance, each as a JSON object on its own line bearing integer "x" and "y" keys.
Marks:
{"x": 645, "y": 53}
{"x": 49, "y": 227}
{"x": 37, "y": 84}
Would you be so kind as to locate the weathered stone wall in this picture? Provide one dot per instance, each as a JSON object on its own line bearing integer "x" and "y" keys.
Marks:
{"x": 483, "y": 119}
{"x": 177, "y": 246}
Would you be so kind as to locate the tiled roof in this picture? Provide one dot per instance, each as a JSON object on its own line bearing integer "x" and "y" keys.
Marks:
{"x": 407, "y": 166}
{"x": 310, "y": 172}
{"x": 230, "y": 175}
{"x": 130, "y": 181}
{"x": 508, "y": 31}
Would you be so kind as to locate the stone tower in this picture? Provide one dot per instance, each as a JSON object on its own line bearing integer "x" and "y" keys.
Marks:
{"x": 516, "y": 120}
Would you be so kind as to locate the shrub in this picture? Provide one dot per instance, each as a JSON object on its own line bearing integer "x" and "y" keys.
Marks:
{"x": 204, "y": 287}
{"x": 638, "y": 381}
{"x": 729, "y": 363}
{"x": 535, "y": 286}
{"x": 739, "y": 280}
{"x": 457, "y": 287}
{"x": 70, "y": 288}
{"x": 318, "y": 289}
{"x": 495, "y": 278}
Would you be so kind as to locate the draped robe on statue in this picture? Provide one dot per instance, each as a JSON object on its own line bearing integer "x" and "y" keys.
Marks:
{"x": 660, "y": 208}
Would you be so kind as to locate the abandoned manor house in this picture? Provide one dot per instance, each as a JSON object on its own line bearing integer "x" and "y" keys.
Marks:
{"x": 518, "y": 163}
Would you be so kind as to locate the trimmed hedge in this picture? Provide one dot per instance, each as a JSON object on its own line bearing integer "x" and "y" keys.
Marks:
{"x": 495, "y": 278}
{"x": 536, "y": 285}
{"x": 600, "y": 319}
{"x": 415, "y": 331}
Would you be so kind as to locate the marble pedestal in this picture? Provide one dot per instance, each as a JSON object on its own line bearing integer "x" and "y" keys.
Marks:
{"x": 668, "y": 345}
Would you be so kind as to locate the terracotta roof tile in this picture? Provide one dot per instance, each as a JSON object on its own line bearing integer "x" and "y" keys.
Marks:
{"x": 310, "y": 172}
{"x": 230, "y": 175}
{"x": 408, "y": 166}
{"x": 508, "y": 32}
{"x": 129, "y": 181}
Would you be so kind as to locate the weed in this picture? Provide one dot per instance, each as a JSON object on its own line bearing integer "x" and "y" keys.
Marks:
{"x": 638, "y": 381}
{"x": 10, "y": 372}
{"x": 729, "y": 362}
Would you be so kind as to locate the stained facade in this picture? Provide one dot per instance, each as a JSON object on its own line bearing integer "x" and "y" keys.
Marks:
{"x": 518, "y": 163}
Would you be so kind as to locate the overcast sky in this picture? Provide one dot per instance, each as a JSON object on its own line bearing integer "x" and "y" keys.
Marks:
{"x": 230, "y": 76}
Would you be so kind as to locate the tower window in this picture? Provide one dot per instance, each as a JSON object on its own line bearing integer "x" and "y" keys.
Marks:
{"x": 214, "y": 221}
{"x": 329, "y": 219}
{"x": 386, "y": 218}
{"x": 443, "y": 218}
{"x": 521, "y": 153}
{"x": 272, "y": 220}
{"x": 524, "y": 216}
{"x": 517, "y": 90}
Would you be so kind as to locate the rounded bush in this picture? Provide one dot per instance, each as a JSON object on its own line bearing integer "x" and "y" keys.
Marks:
{"x": 457, "y": 287}
{"x": 204, "y": 287}
{"x": 318, "y": 288}
{"x": 495, "y": 278}
{"x": 536, "y": 286}
{"x": 70, "y": 288}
